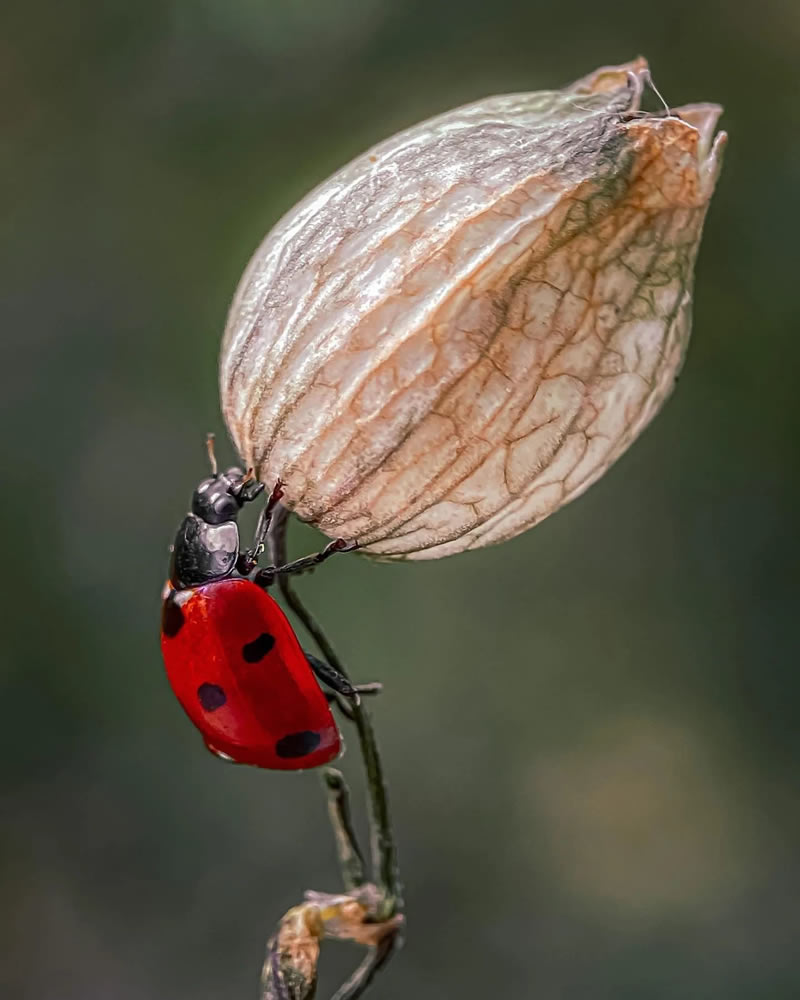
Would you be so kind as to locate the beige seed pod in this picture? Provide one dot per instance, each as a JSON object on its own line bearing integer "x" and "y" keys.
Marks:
{"x": 463, "y": 328}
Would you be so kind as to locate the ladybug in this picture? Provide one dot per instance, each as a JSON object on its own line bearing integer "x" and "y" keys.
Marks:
{"x": 231, "y": 656}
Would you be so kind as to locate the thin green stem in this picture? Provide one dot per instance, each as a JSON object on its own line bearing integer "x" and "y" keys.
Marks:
{"x": 382, "y": 843}
{"x": 351, "y": 861}
{"x": 358, "y": 983}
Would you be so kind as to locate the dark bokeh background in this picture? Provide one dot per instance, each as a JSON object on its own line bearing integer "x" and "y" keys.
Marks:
{"x": 590, "y": 732}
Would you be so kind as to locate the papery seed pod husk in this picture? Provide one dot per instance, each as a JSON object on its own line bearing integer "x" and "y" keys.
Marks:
{"x": 462, "y": 329}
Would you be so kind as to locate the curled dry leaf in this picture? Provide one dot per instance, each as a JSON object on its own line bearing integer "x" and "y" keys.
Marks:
{"x": 462, "y": 329}
{"x": 290, "y": 967}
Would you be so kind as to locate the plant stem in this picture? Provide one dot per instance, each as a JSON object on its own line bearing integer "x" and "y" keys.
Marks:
{"x": 382, "y": 843}
{"x": 351, "y": 862}
{"x": 359, "y": 982}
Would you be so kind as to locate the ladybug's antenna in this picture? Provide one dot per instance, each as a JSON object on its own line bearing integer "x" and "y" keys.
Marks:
{"x": 212, "y": 458}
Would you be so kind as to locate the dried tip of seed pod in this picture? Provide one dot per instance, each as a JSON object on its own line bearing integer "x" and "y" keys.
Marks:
{"x": 463, "y": 328}
{"x": 611, "y": 78}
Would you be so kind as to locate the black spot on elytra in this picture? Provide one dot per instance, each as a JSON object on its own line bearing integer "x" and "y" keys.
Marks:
{"x": 297, "y": 744}
{"x": 211, "y": 697}
{"x": 258, "y": 648}
{"x": 171, "y": 618}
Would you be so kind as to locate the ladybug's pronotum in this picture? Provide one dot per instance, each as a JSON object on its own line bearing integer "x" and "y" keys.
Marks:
{"x": 463, "y": 328}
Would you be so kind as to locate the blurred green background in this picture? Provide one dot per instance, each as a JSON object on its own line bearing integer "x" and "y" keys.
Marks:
{"x": 590, "y": 732}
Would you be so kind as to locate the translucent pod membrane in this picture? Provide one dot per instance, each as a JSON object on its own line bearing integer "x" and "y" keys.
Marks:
{"x": 462, "y": 329}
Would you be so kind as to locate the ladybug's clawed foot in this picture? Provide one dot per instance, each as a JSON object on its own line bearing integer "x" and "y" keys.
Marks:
{"x": 345, "y": 702}
{"x": 373, "y": 688}
{"x": 332, "y": 678}
{"x": 276, "y": 495}
{"x": 357, "y": 690}
{"x": 338, "y": 545}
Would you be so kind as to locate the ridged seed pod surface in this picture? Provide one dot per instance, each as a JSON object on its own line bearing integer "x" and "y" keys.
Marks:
{"x": 463, "y": 328}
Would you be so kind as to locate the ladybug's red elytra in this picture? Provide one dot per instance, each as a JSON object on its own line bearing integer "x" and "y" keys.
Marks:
{"x": 231, "y": 656}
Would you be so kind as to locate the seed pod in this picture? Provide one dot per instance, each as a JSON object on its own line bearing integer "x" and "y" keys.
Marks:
{"x": 463, "y": 328}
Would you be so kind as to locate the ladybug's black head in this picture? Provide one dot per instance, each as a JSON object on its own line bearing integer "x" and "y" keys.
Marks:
{"x": 206, "y": 546}
{"x": 220, "y": 497}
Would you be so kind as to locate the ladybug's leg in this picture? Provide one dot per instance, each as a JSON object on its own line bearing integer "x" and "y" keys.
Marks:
{"x": 338, "y": 682}
{"x": 330, "y": 676}
{"x": 248, "y": 559}
{"x": 374, "y": 688}
{"x": 344, "y": 706}
{"x": 266, "y": 577}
